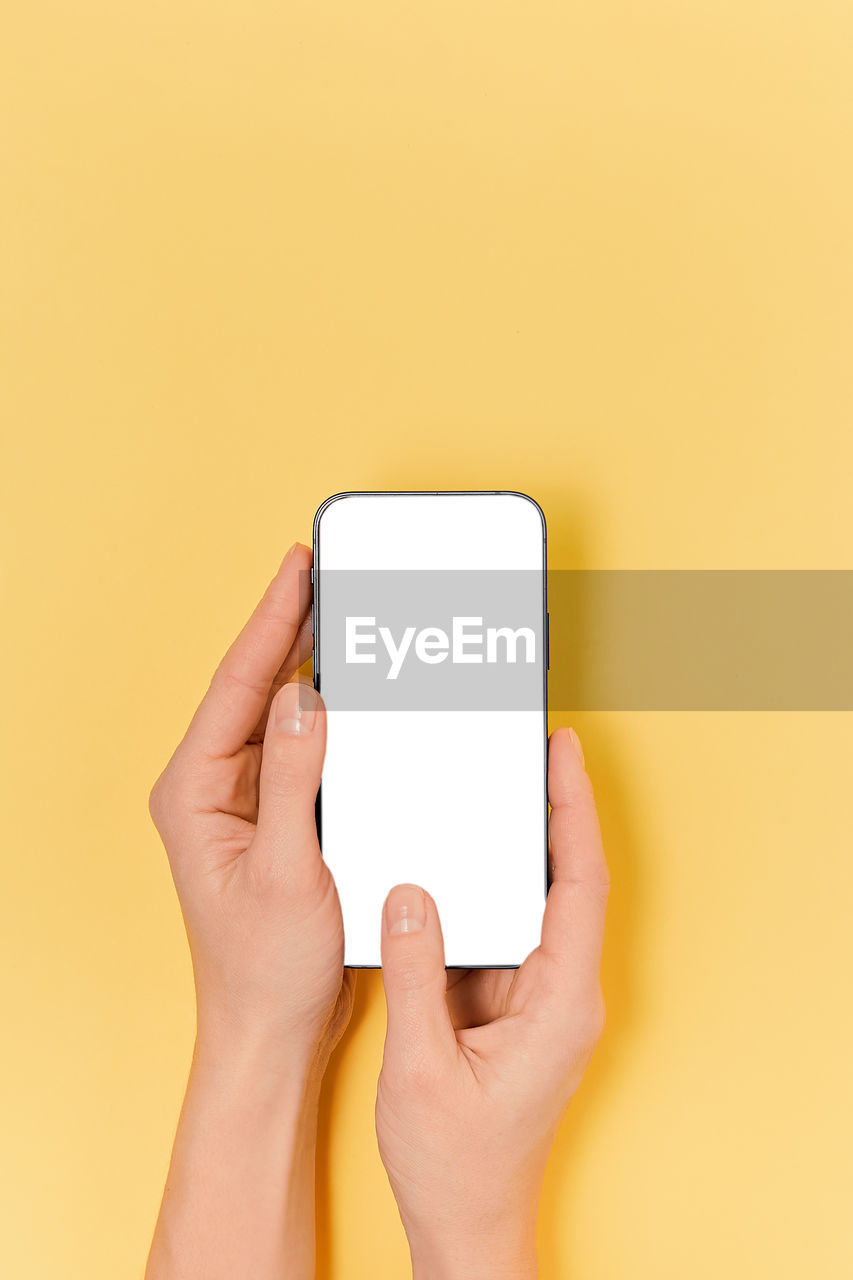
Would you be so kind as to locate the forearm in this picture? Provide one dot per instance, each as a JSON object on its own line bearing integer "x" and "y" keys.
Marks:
{"x": 239, "y": 1197}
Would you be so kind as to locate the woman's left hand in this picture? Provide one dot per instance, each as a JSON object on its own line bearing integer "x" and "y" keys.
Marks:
{"x": 235, "y": 809}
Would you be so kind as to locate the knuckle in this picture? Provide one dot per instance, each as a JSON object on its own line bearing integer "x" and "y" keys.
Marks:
{"x": 285, "y": 774}
{"x": 233, "y": 675}
{"x": 586, "y": 864}
{"x": 412, "y": 1073}
{"x": 420, "y": 1075}
{"x": 268, "y": 870}
{"x": 561, "y": 827}
{"x": 574, "y": 806}
{"x": 304, "y": 880}
{"x": 552, "y": 984}
{"x": 154, "y": 803}
{"x": 413, "y": 975}
{"x": 580, "y": 793}
{"x": 584, "y": 789}
{"x": 158, "y": 801}
{"x": 172, "y": 791}
{"x": 261, "y": 873}
{"x": 275, "y": 616}
{"x": 565, "y": 822}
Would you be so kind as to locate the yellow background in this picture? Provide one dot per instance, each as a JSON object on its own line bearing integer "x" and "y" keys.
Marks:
{"x": 256, "y": 253}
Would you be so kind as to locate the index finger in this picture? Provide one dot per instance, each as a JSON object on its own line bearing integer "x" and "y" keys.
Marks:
{"x": 238, "y": 693}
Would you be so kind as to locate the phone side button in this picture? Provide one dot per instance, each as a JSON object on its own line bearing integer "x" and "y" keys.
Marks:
{"x": 547, "y": 642}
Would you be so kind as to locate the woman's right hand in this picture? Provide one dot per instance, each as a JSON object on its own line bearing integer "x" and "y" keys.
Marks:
{"x": 479, "y": 1066}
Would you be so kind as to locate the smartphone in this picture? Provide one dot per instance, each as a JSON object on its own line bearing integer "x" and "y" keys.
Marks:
{"x": 430, "y": 651}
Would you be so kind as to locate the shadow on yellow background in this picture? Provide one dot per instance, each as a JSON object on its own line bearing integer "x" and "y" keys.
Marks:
{"x": 254, "y": 255}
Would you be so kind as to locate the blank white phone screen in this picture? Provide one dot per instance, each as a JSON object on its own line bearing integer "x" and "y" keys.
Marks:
{"x": 451, "y": 799}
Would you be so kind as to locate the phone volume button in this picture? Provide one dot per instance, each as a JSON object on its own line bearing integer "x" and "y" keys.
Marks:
{"x": 547, "y": 642}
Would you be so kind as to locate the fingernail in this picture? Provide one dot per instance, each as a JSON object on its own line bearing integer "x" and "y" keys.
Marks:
{"x": 405, "y": 909}
{"x": 576, "y": 743}
{"x": 289, "y": 555}
{"x": 296, "y": 708}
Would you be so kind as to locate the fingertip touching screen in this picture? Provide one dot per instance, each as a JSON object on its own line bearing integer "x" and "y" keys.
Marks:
{"x": 430, "y": 652}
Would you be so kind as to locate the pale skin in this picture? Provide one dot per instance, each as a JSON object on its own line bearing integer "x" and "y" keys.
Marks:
{"x": 478, "y": 1067}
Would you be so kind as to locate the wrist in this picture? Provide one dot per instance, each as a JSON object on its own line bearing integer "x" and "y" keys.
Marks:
{"x": 505, "y": 1254}
{"x": 264, "y": 1098}
{"x": 265, "y": 1054}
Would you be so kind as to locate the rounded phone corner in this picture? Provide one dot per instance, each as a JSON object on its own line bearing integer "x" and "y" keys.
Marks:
{"x": 327, "y": 502}
{"x": 517, "y": 493}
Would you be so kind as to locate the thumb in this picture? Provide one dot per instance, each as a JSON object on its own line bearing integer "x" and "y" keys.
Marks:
{"x": 294, "y": 744}
{"x": 420, "y": 1033}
